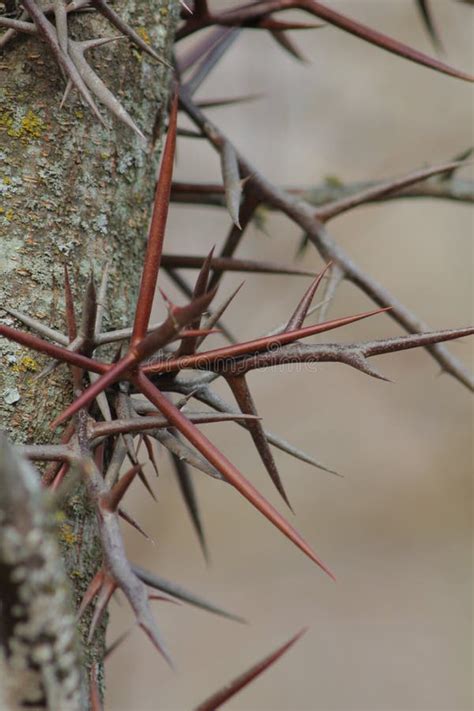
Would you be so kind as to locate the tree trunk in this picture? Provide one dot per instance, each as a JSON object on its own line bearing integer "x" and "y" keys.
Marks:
{"x": 75, "y": 193}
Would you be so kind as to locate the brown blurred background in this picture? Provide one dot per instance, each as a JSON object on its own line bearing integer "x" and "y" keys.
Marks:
{"x": 395, "y": 632}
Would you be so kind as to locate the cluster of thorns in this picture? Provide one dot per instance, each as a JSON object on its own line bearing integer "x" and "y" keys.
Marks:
{"x": 152, "y": 359}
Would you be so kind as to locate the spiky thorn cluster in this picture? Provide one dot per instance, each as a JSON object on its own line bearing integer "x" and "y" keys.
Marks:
{"x": 69, "y": 53}
{"x": 104, "y": 417}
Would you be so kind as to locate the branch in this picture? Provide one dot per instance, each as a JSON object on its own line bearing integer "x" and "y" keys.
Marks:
{"x": 304, "y": 215}
{"x": 332, "y": 190}
{"x": 39, "y": 660}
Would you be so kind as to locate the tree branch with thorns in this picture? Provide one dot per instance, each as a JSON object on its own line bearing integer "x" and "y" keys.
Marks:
{"x": 143, "y": 389}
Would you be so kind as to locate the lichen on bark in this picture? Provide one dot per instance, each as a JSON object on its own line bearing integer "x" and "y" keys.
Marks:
{"x": 75, "y": 193}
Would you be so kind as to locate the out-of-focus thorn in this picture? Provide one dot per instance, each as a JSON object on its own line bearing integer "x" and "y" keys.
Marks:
{"x": 188, "y": 492}
{"x": 170, "y": 588}
{"x": 231, "y": 180}
{"x": 243, "y": 396}
{"x": 215, "y": 701}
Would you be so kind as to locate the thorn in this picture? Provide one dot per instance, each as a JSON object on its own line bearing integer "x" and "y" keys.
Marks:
{"x": 110, "y": 501}
{"x": 188, "y": 492}
{"x": 222, "y": 464}
{"x": 92, "y": 590}
{"x": 105, "y": 593}
{"x": 220, "y": 697}
{"x": 177, "y": 591}
{"x": 297, "y": 319}
{"x": 154, "y": 247}
{"x": 231, "y": 180}
{"x": 244, "y": 399}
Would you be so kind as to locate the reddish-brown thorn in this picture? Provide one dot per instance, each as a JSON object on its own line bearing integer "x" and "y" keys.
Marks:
{"x": 178, "y": 317}
{"x": 162, "y": 598}
{"x": 288, "y": 45}
{"x": 62, "y": 354}
{"x": 156, "y": 234}
{"x": 116, "y": 643}
{"x": 188, "y": 346}
{"x": 235, "y": 235}
{"x": 227, "y": 469}
{"x": 146, "y": 483}
{"x": 130, "y": 520}
{"x": 108, "y": 588}
{"x": 244, "y": 399}
{"x": 230, "y": 264}
{"x": 108, "y": 378}
{"x": 151, "y": 454}
{"x": 59, "y": 478}
{"x": 271, "y": 23}
{"x": 111, "y": 500}
{"x": 211, "y": 359}
{"x": 92, "y": 590}
{"x": 220, "y": 697}
{"x": 297, "y": 318}
{"x": 188, "y": 492}
{"x": 426, "y": 16}
{"x": 96, "y": 704}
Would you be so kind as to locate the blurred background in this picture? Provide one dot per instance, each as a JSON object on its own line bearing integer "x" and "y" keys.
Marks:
{"x": 395, "y": 632}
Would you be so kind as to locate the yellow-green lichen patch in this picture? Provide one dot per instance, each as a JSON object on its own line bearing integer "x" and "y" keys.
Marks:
{"x": 26, "y": 364}
{"x": 24, "y": 128}
{"x": 67, "y": 535}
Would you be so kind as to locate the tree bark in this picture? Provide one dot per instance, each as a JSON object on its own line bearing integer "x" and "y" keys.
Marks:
{"x": 75, "y": 193}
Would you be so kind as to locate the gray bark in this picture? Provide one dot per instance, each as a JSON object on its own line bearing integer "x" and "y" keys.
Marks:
{"x": 75, "y": 193}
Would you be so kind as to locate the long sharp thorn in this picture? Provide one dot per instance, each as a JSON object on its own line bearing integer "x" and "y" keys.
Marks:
{"x": 234, "y": 237}
{"x": 220, "y": 697}
{"x": 230, "y": 101}
{"x": 157, "y": 230}
{"x": 211, "y": 59}
{"x": 116, "y": 643}
{"x": 297, "y": 318}
{"x": 177, "y": 591}
{"x": 48, "y": 32}
{"x": 201, "y": 48}
{"x": 230, "y": 264}
{"x": 95, "y": 702}
{"x": 151, "y": 454}
{"x": 111, "y": 500}
{"x": 62, "y": 354}
{"x": 207, "y": 396}
{"x": 97, "y": 86}
{"x": 188, "y": 492}
{"x": 92, "y": 590}
{"x": 227, "y": 469}
{"x": 212, "y": 358}
{"x": 37, "y": 326}
{"x": 122, "y": 26}
{"x": 288, "y": 45}
{"x": 129, "y": 519}
{"x": 379, "y": 39}
{"x": 270, "y": 23}
{"x": 384, "y": 188}
{"x": 243, "y": 396}
{"x": 231, "y": 180}
{"x": 108, "y": 378}
{"x": 60, "y": 19}
{"x": 188, "y": 346}
{"x": 427, "y": 17}
{"x": 214, "y": 318}
{"x": 414, "y": 340}
{"x": 108, "y": 588}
